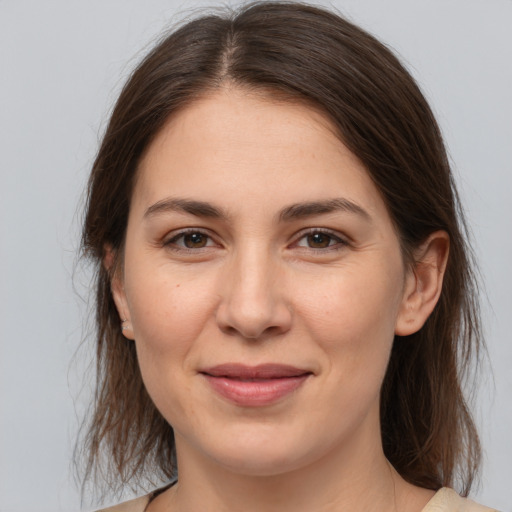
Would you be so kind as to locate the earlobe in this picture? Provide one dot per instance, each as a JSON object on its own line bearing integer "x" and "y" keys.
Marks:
{"x": 119, "y": 295}
{"x": 423, "y": 284}
{"x": 118, "y": 292}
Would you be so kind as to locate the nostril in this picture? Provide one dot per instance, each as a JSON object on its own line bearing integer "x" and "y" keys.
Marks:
{"x": 269, "y": 332}
{"x": 251, "y": 311}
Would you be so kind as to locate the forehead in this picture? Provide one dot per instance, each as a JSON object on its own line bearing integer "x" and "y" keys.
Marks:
{"x": 233, "y": 145}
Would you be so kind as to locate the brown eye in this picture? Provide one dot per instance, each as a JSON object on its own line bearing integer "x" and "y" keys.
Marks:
{"x": 195, "y": 240}
{"x": 190, "y": 240}
{"x": 319, "y": 240}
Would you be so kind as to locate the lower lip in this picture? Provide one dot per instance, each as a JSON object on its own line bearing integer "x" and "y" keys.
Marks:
{"x": 255, "y": 393}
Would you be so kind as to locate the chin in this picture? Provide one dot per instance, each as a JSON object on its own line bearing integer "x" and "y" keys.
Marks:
{"x": 252, "y": 452}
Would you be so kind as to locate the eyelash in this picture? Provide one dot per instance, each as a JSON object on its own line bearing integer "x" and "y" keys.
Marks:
{"x": 339, "y": 242}
{"x": 171, "y": 243}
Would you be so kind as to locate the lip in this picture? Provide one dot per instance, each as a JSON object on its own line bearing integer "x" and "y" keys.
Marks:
{"x": 253, "y": 386}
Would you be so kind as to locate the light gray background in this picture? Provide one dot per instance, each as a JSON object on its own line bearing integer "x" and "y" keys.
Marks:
{"x": 61, "y": 65}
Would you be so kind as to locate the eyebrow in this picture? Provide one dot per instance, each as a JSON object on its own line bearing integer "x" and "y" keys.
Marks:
{"x": 312, "y": 208}
{"x": 288, "y": 214}
{"x": 197, "y": 208}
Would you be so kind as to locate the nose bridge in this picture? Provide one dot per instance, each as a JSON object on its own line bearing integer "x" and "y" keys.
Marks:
{"x": 253, "y": 302}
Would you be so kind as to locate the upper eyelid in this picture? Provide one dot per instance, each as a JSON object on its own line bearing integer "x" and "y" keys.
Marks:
{"x": 330, "y": 232}
{"x": 186, "y": 231}
{"x": 175, "y": 235}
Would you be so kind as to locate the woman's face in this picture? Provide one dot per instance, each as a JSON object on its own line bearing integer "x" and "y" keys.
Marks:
{"x": 263, "y": 283}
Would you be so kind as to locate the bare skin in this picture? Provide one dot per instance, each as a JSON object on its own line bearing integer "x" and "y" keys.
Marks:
{"x": 391, "y": 494}
{"x": 254, "y": 237}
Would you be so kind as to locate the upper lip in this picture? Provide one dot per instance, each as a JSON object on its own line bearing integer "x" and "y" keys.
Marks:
{"x": 261, "y": 371}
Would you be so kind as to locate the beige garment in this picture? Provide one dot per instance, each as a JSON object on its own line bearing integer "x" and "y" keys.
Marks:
{"x": 445, "y": 500}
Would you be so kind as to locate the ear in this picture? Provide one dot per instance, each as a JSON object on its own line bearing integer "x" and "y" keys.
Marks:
{"x": 423, "y": 283}
{"x": 118, "y": 293}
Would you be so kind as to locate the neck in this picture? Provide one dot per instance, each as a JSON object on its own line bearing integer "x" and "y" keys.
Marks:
{"x": 355, "y": 477}
{"x": 298, "y": 491}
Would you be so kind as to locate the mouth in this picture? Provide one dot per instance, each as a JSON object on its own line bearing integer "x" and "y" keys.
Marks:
{"x": 253, "y": 386}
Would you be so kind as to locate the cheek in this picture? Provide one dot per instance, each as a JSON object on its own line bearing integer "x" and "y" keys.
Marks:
{"x": 352, "y": 323}
{"x": 168, "y": 316}
{"x": 352, "y": 319}
{"x": 352, "y": 303}
{"x": 167, "y": 313}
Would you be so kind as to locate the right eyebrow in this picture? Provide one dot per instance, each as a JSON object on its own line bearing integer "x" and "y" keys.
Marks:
{"x": 191, "y": 207}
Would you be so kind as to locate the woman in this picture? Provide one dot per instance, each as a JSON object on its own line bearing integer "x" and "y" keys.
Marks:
{"x": 285, "y": 300}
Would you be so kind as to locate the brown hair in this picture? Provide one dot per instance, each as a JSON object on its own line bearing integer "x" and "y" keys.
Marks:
{"x": 303, "y": 53}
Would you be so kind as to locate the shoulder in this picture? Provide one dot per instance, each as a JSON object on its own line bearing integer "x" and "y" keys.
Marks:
{"x": 135, "y": 505}
{"x": 447, "y": 500}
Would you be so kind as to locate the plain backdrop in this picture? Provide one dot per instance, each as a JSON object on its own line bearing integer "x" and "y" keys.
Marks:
{"x": 62, "y": 63}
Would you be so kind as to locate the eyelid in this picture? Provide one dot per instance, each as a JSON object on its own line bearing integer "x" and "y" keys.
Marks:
{"x": 342, "y": 241}
{"x": 170, "y": 240}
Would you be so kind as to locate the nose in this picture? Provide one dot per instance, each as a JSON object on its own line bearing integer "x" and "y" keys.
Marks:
{"x": 253, "y": 301}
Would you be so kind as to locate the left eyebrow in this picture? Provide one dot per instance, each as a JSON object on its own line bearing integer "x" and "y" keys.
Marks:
{"x": 312, "y": 208}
